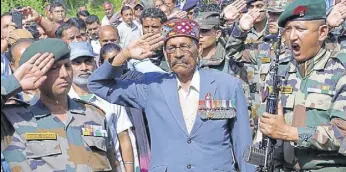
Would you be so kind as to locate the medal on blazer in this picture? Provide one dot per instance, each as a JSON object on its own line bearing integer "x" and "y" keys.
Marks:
{"x": 210, "y": 109}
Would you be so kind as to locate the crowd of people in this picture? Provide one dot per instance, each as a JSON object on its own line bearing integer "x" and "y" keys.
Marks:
{"x": 174, "y": 85}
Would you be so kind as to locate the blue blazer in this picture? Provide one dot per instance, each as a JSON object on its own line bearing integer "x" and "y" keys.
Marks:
{"x": 207, "y": 148}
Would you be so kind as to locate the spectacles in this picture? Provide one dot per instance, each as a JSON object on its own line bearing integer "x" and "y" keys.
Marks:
{"x": 184, "y": 48}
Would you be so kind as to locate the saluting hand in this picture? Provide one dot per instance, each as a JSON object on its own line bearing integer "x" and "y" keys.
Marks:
{"x": 31, "y": 74}
{"x": 233, "y": 10}
{"x": 338, "y": 15}
{"x": 275, "y": 126}
{"x": 29, "y": 14}
{"x": 248, "y": 19}
{"x": 145, "y": 46}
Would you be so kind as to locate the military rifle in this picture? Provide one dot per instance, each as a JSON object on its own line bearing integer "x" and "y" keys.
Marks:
{"x": 263, "y": 156}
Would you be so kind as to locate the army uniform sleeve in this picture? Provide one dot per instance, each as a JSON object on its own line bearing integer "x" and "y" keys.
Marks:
{"x": 237, "y": 48}
{"x": 9, "y": 87}
{"x": 328, "y": 137}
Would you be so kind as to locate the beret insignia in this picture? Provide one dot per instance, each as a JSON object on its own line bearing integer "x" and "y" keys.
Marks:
{"x": 300, "y": 10}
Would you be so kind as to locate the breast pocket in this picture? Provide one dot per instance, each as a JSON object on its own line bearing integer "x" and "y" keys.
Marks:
{"x": 97, "y": 153}
{"x": 318, "y": 101}
{"x": 44, "y": 148}
{"x": 96, "y": 143}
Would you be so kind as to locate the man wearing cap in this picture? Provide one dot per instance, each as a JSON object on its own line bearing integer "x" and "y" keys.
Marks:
{"x": 57, "y": 133}
{"x": 213, "y": 53}
{"x": 193, "y": 108}
{"x": 83, "y": 64}
{"x": 28, "y": 77}
{"x": 138, "y": 9}
{"x": 260, "y": 24}
{"x": 311, "y": 116}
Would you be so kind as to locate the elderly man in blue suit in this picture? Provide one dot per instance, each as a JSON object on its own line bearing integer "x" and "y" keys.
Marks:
{"x": 196, "y": 117}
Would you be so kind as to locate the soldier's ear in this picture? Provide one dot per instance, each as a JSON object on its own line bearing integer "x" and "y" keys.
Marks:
{"x": 218, "y": 34}
{"x": 323, "y": 32}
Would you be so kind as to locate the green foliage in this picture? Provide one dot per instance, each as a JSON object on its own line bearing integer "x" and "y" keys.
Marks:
{"x": 7, "y": 5}
{"x": 94, "y": 6}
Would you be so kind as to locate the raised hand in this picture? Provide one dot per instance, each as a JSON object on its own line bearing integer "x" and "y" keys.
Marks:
{"x": 248, "y": 19}
{"x": 29, "y": 14}
{"x": 31, "y": 74}
{"x": 338, "y": 15}
{"x": 233, "y": 10}
{"x": 178, "y": 14}
{"x": 145, "y": 46}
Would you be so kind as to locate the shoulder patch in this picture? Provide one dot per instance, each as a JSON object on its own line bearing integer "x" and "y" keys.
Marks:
{"x": 89, "y": 105}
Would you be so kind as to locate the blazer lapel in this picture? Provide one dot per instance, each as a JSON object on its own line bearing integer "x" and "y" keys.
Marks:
{"x": 169, "y": 88}
{"x": 207, "y": 85}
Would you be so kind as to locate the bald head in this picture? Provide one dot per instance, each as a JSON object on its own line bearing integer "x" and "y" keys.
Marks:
{"x": 17, "y": 51}
{"x": 108, "y": 34}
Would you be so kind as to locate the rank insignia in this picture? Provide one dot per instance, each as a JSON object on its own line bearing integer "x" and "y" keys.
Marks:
{"x": 286, "y": 89}
{"x": 300, "y": 10}
{"x": 265, "y": 60}
{"x": 40, "y": 136}
{"x": 94, "y": 130}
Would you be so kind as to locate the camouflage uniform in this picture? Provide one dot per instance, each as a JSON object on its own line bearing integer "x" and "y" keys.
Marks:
{"x": 337, "y": 39}
{"x": 315, "y": 104}
{"x": 71, "y": 150}
{"x": 218, "y": 61}
{"x": 33, "y": 139}
{"x": 255, "y": 58}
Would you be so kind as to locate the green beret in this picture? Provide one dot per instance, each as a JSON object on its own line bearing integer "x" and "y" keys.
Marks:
{"x": 303, "y": 10}
{"x": 59, "y": 48}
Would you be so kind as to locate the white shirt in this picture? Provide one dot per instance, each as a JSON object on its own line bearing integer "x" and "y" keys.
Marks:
{"x": 116, "y": 116}
{"x": 189, "y": 100}
{"x": 128, "y": 33}
{"x": 105, "y": 21}
{"x": 97, "y": 48}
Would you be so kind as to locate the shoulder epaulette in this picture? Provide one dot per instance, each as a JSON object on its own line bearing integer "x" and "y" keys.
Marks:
{"x": 91, "y": 105}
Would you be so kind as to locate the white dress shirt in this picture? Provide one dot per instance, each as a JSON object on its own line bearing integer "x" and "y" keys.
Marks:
{"x": 189, "y": 100}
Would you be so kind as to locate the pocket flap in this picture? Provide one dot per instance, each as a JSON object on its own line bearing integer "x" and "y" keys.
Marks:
{"x": 37, "y": 149}
{"x": 318, "y": 101}
{"x": 98, "y": 142}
